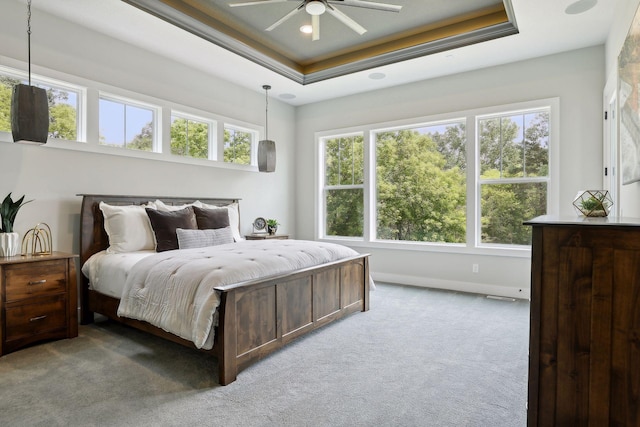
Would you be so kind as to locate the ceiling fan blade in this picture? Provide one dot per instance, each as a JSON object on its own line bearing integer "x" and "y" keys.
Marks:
{"x": 368, "y": 5}
{"x": 253, "y": 3}
{"x": 346, "y": 20}
{"x": 315, "y": 25}
{"x": 284, "y": 18}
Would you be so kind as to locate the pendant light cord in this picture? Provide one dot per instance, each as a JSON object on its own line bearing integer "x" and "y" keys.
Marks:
{"x": 266, "y": 111}
{"x": 29, "y": 37}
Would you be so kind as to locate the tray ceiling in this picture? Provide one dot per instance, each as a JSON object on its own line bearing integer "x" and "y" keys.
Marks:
{"x": 421, "y": 28}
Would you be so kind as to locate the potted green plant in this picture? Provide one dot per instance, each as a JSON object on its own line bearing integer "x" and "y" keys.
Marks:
{"x": 272, "y": 226}
{"x": 9, "y": 240}
{"x": 593, "y": 203}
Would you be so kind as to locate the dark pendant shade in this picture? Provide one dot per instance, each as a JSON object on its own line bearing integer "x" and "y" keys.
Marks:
{"x": 29, "y": 114}
{"x": 266, "y": 155}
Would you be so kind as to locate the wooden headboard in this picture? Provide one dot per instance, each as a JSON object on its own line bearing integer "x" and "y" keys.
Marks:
{"x": 93, "y": 238}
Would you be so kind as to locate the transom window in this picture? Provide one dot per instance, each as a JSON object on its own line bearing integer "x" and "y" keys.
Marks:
{"x": 125, "y": 124}
{"x": 190, "y": 136}
{"x": 64, "y": 105}
{"x": 133, "y": 124}
{"x": 238, "y": 144}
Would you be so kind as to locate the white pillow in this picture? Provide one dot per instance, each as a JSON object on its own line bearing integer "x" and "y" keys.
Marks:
{"x": 128, "y": 227}
{"x": 163, "y": 207}
{"x": 234, "y": 217}
{"x": 189, "y": 239}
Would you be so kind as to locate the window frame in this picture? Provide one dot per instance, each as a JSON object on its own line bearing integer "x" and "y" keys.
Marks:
{"x": 212, "y": 153}
{"x": 36, "y": 80}
{"x": 156, "y": 146}
{"x": 255, "y": 135}
{"x": 374, "y": 179}
{"x": 325, "y": 188}
{"x": 472, "y": 245}
{"x": 552, "y": 105}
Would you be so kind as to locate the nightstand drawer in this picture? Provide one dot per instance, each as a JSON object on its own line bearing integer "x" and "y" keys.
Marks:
{"x": 35, "y": 278}
{"x": 41, "y": 315}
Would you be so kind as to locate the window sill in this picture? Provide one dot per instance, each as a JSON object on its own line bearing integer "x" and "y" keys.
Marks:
{"x": 503, "y": 251}
{"x": 5, "y": 137}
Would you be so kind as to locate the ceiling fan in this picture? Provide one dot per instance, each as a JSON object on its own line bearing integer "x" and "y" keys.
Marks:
{"x": 315, "y": 8}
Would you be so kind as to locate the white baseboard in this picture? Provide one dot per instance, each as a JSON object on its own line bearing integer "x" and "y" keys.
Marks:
{"x": 452, "y": 285}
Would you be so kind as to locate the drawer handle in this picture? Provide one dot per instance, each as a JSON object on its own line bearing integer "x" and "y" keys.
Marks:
{"x": 35, "y": 319}
{"x": 38, "y": 282}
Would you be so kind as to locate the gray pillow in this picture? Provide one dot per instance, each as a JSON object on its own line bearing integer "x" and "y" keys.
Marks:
{"x": 211, "y": 218}
{"x": 164, "y": 226}
{"x": 189, "y": 239}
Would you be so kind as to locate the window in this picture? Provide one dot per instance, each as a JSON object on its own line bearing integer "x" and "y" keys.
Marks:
{"x": 468, "y": 181}
{"x": 237, "y": 145}
{"x": 125, "y": 124}
{"x": 421, "y": 183}
{"x": 344, "y": 186}
{"x": 189, "y": 137}
{"x": 134, "y": 124}
{"x": 64, "y": 105}
{"x": 514, "y": 174}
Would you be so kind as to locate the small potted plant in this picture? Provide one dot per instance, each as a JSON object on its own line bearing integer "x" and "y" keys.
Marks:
{"x": 593, "y": 203}
{"x": 9, "y": 240}
{"x": 272, "y": 226}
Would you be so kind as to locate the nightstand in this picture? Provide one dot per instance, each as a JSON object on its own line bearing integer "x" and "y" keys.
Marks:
{"x": 38, "y": 299}
{"x": 266, "y": 236}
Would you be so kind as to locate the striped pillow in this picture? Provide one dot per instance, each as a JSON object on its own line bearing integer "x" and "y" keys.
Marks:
{"x": 189, "y": 239}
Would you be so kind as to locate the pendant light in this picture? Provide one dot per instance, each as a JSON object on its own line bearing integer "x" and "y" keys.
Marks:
{"x": 29, "y": 105}
{"x": 266, "y": 147}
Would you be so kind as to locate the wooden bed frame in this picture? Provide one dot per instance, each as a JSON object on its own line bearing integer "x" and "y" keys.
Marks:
{"x": 256, "y": 317}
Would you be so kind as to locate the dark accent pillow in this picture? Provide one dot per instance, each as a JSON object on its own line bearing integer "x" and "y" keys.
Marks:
{"x": 211, "y": 218}
{"x": 164, "y": 226}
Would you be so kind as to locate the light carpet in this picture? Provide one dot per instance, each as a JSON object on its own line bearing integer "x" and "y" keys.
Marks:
{"x": 419, "y": 357}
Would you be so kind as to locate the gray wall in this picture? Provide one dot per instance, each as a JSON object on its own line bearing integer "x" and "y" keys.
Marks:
{"x": 576, "y": 77}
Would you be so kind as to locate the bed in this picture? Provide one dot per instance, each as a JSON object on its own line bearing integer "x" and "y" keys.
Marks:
{"x": 255, "y": 317}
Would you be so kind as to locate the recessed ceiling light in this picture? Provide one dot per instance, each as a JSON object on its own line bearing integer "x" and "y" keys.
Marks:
{"x": 287, "y": 96}
{"x": 580, "y": 6}
{"x": 377, "y": 76}
{"x": 307, "y": 29}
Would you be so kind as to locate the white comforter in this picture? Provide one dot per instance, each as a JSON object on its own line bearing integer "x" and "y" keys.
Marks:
{"x": 174, "y": 290}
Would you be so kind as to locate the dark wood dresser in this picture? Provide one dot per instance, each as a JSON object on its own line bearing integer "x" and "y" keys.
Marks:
{"x": 584, "y": 355}
{"x": 38, "y": 300}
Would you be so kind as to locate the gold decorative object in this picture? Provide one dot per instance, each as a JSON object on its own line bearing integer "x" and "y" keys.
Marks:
{"x": 596, "y": 203}
{"x": 38, "y": 239}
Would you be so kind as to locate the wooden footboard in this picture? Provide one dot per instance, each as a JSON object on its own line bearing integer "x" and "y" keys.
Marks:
{"x": 259, "y": 317}
{"x": 256, "y": 317}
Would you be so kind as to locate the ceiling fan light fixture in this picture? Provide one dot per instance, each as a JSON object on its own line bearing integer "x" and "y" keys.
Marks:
{"x": 315, "y": 7}
{"x": 307, "y": 29}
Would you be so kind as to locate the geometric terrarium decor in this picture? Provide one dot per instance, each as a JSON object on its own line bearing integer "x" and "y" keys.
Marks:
{"x": 593, "y": 203}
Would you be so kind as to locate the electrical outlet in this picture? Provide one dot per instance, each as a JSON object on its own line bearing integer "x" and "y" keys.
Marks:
{"x": 475, "y": 268}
